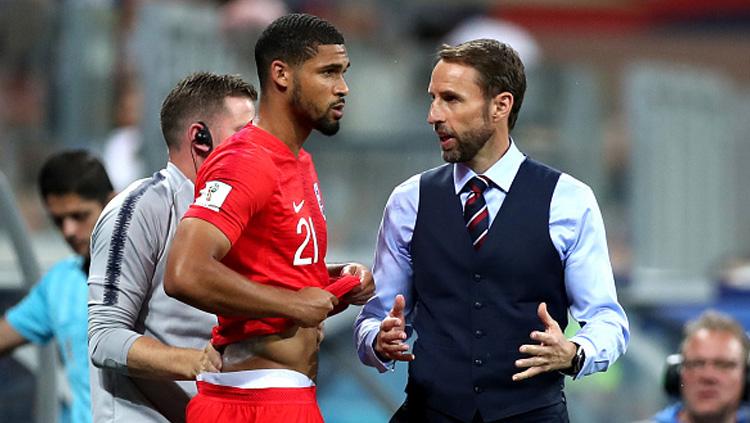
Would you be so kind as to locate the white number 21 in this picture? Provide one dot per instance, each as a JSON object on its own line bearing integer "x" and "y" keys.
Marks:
{"x": 307, "y": 224}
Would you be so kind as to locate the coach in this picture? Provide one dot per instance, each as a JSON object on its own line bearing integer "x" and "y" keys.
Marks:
{"x": 484, "y": 257}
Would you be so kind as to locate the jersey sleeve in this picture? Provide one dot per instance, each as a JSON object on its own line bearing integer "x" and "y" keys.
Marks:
{"x": 30, "y": 317}
{"x": 232, "y": 188}
{"x": 125, "y": 248}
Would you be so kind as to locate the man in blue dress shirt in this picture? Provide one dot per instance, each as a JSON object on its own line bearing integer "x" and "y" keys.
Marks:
{"x": 75, "y": 188}
{"x": 484, "y": 257}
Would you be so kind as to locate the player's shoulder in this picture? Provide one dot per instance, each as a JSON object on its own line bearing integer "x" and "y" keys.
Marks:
{"x": 238, "y": 150}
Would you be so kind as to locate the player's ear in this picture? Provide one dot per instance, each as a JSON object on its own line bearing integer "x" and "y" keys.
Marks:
{"x": 280, "y": 74}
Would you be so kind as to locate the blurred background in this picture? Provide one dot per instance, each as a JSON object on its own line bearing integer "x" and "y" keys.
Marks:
{"x": 647, "y": 101}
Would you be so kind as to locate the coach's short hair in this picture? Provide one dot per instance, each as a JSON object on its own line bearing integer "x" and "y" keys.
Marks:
{"x": 293, "y": 39}
{"x": 499, "y": 67}
{"x": 198, "y": 97}
{"x": 715, "y": 321}
{"x": 75, "y": 172}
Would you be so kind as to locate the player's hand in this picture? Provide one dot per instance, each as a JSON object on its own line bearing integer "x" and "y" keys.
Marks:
{"x": 390, "y": 341}
{"x": 311, "y": 306}
{"x": 207, "y": 360}
{"x": 366, "y": 289}
{"x": 553, "y": 351}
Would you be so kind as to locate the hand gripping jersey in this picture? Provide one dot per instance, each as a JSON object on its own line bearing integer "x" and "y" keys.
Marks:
{"x": 269, "y": 205}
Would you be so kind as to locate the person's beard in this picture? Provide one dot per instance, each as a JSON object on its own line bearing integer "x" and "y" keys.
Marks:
{"x": 468, "y": 143}
{"x": 323, "y": 124}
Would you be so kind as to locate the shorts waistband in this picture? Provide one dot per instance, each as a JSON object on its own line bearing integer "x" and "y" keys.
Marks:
{"x": 263, "y": 396}
{"x": 258, "y": 379}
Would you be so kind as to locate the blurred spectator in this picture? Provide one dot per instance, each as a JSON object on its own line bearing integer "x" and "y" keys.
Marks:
{"x": 241, "y": 22}
{"x": 712, "y": 374}
{"x": 486, "y": 27}
{"x": 75, "y": 189}
{"x": 122, "y": 148}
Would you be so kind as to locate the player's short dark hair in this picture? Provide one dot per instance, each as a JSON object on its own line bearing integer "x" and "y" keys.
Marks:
{"x": 499, "y": 66}
{"x": 293, "y": 39}
{"x": 715, "y": 321}
{"x": 75, "y": 172}
{"x": 196, "y": 98}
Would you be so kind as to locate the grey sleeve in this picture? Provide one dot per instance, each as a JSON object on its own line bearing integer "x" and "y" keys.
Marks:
{"x": 123, "y": 260}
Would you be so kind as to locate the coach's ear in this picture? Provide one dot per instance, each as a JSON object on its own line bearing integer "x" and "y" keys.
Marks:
{"x": 500, "y": 106}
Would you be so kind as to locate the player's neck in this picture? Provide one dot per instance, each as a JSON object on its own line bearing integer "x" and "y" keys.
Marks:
{"x": 279, "y": 121}
{"x": 185, "y": 163}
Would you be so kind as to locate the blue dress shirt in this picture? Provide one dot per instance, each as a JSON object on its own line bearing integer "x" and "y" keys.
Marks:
{"x": 577, "y": 232}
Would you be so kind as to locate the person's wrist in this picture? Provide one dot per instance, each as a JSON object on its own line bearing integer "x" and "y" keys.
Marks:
{"x": 576, "y": 363}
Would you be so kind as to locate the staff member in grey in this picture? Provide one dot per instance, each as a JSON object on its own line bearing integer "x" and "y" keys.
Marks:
{"x": 140, "y": 340}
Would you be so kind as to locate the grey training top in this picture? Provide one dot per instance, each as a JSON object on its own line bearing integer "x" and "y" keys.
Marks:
{"x": 129, "y": 249}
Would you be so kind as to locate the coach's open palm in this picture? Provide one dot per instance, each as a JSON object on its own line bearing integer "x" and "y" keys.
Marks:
{"x": 390, "y": 342}
{"x": 553, "y": 352}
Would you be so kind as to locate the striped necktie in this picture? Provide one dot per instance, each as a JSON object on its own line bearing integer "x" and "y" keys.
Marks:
{"x": 475, "y": 210}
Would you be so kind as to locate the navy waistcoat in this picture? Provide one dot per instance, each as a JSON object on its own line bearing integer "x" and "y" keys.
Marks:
{"x": 474, "y": 309}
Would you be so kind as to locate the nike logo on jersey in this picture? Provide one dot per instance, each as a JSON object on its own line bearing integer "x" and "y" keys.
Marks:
{"x": 298, "y": 207}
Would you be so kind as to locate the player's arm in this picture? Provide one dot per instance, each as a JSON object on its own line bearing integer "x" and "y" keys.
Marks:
{"x": 9, "y": 338}
{"x": 195, "y": 275}
{"x": 123, "y": 261}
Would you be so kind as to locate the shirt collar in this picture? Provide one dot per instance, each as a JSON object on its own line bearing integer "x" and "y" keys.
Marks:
{"x": 175, "y": 173}
{"x": 501, "y": 173}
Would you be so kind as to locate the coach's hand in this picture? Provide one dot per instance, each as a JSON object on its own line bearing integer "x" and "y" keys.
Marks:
{"x": 311, "y": 306}
{"x": 389, "y": 342}
{"x": 553, "y": 352}
{"x": 366, "y": 288}
{"x": 207, "y": 360}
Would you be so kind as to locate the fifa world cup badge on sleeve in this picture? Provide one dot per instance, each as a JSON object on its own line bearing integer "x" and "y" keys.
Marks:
{"x": 213, "y": 194}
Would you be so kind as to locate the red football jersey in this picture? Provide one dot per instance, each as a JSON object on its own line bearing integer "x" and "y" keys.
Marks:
{"x": 269, "y": 205}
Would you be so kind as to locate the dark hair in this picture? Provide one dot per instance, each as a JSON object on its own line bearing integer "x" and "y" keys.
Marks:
{"x": 499, "y": 66}
{"x": 75, "y": 172}
{"x": 197, "y": 97}
{"x": 293, "y": 39}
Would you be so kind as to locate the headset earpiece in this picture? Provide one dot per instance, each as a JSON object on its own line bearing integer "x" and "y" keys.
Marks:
{"x": 203, "y": 137}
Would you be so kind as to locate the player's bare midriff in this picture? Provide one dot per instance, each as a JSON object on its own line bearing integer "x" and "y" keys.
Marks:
{"x": 294, "y": 349}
